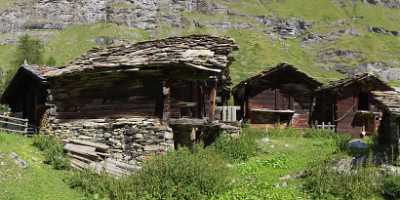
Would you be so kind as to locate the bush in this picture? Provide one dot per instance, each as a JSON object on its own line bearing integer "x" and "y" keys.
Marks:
{"x": 53, "y": 151}
{"x": 391, "y": 187}
{"x": 184, "y": 175}
{"x": 178, "y": 175}
{"x": 324, "y": 182}
{"x": 237, "y": 149}
{"x": 99, "y": 186}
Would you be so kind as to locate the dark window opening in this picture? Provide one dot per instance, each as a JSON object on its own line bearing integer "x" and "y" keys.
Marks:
{"x": 363, "y": 101}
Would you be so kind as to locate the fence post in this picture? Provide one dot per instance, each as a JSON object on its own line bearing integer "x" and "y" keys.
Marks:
{"x": 26, "y": 127}
{"x": 323, "y": 125}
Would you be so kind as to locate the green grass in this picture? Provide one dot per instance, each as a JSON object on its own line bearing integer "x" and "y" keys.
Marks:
{"x": 6, "y": 4}
{"x": 75, "y": 40}
{"x": 283, "y": 154}
{"x": 6, "y": 56}
{"x": 38, "y": 181}
{"x": 278, "y": 153}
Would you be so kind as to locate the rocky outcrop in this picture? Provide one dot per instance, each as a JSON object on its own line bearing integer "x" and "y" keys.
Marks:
{"x": 381, "y": 30}
{"x": 386, "y": 3}
{"x": 57, "y": 14}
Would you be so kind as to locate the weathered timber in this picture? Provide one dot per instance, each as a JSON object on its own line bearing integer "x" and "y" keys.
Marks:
{"x": 98, "y": 146}
{"x": 267, "y": 97}
{"x": 340, "y": 102}
{"x": 81, "y": 150}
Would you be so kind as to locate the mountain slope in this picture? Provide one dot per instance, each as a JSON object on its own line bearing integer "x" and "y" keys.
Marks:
{"x": 325, "y": 38}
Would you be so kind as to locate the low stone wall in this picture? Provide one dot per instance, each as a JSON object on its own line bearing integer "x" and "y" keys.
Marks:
{"x": 131, "y": 140}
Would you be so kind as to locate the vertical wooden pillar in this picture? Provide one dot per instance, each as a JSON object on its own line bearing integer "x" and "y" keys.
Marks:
{"x": 213, "y": 97}
{"x": 166, "y": 89}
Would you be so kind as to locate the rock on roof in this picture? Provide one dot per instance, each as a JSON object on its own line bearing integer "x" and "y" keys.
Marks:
{"x": 389, "y": 99}
{"x": 281, "y": 71}
{"x": 356, "y": 78}
{"x": 199, "y": 52}
{"x": 202, "y": 52}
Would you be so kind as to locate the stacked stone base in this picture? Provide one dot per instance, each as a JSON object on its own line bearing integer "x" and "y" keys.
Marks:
{"x": 131, "y": 140}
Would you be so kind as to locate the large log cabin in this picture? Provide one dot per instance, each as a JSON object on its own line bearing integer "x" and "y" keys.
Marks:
{"x": 278, "y": 96}
{"x": 348, "y": 104}
{"x": 168, "y": 78}
{"x": 127, "y": 97}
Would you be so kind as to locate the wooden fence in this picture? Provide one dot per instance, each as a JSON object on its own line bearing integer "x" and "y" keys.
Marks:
{"x": 325, "y": 126}
{"x": 14, "y": 124}
{"x": 228, "y": 113}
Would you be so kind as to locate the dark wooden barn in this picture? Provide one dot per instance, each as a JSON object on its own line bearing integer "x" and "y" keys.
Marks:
{"x": 281, "y": 95}
{"x": 169, "y": 78}
{"x": 348, "y": 104}
{"x": 389, "y": 129}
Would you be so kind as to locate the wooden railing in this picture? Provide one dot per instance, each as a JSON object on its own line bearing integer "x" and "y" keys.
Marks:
{"x": 228, "y": 113}
{"x": 14, "y": 124}
{"x": 325, "y": 126}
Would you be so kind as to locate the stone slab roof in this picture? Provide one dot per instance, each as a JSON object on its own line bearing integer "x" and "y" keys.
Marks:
{"x": 389, "y": 99}
{"x": 350, "y": 80}
{"x": 202, "y": 52}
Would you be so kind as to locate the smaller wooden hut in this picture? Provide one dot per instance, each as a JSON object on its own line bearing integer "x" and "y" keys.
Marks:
{"x": 348, "y": 104}
{"x": 281, "y": 95}
{"x": 389, "y": 130}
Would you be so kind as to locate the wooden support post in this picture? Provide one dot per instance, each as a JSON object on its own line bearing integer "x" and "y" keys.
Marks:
{"x": 166, "y": 100}
{"x": 26, "y": 127}
{"x": 213, "y": 97}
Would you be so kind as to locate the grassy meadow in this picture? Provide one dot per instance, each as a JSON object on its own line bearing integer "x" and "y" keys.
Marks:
{"x": 253, "y": 166}
{"x": 38, "y": 181}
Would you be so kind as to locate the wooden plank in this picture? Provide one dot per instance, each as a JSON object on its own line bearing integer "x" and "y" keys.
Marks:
{"x": 213, "y": 96}
{"x": 88, "y": 152}
{"x": 15, "y": 124}
{"x": 166, "y": 101}
{"x": 97, "y": 146}
{"x": 13, "y": 118}
{"x": 80, "y": 148}
{"x": 11, "y": 130}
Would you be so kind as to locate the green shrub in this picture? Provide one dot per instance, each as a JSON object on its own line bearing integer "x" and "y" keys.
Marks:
{"x": 53, "y": 151}
{"x": 391, "y": 187}
{"x": 237, "y": 149}
{"x": 184, "y": 175}
{"x": 324, "y": 182}
{"x": 178, "y": 175}
{"x": 99, "y": 186}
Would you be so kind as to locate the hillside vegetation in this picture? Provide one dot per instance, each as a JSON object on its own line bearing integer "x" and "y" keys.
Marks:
{"x": 251, "y": 168}
{"x": 325, "y": 38}
{"x": 38, "y": 181}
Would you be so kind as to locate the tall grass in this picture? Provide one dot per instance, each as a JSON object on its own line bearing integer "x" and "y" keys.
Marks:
{"x": 237, "y": 149}
{"x": 178, "y": 175}
{"x": 391, "y": 187}
{"x": 326, "y": 182}
{"x": 53, "y": 151}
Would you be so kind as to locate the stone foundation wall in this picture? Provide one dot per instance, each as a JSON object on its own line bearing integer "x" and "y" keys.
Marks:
{"x": 131, "y": 140}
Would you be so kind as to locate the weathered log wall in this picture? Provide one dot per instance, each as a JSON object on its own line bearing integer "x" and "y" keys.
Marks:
{"x": 277, "y": 99}
{"x": 105, "y": 95}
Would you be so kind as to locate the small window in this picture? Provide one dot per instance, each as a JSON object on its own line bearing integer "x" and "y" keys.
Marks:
{"x": 363, "y": 101}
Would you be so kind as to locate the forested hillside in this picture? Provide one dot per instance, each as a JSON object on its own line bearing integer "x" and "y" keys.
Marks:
{"x": 325, "y": 38}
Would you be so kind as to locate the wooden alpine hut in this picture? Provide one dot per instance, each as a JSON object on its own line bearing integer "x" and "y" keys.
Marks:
{"x": 348, "y": 104}
{"x": 281, "y": 95}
